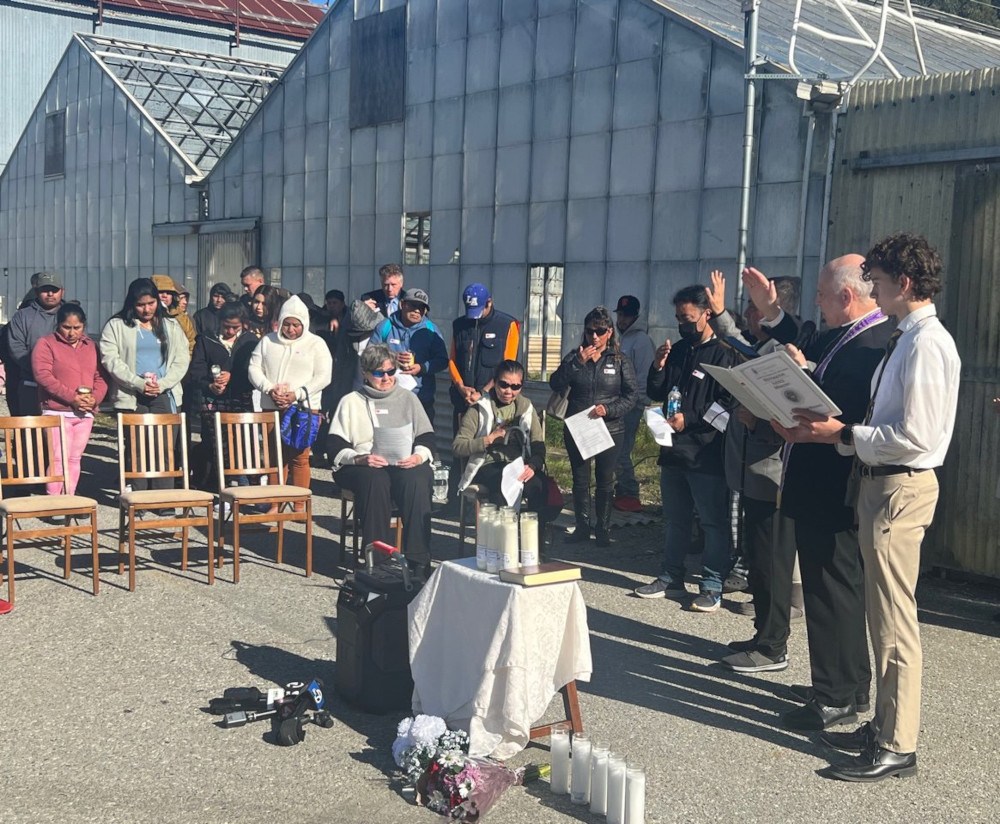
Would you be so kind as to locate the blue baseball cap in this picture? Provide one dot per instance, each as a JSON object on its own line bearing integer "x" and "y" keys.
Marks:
{"x": 475, "y": 297}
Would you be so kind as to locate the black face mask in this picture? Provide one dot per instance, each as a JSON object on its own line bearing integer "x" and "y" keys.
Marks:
{"x": 689, "y": 330}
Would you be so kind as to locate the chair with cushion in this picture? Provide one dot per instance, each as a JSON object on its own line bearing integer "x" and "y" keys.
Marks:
{"x": 248, "y": 445}
{"x": 27, "y": 444}
{"x": 147, "y": 450}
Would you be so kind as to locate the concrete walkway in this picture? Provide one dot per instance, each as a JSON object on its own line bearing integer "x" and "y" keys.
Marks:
{"x": 102, "y": 697}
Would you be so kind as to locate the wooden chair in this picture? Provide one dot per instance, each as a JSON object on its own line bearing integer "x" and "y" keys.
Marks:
{"x": 357, "y": 554}
{"x": 247, "y": 444}
{"x": 147, "y": 451}
{"x": 27, "y": 445}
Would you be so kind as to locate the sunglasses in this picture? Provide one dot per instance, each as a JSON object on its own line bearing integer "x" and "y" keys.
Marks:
{"x": 505, "y": 385}
{"x": 384, "y": 373}
{"x": 414, "y": 307}
{"x": 598, "y": 330}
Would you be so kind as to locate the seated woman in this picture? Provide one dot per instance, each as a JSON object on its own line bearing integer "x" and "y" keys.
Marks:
{"x": 381, "y": 443}
{"x": 499, "y": 428}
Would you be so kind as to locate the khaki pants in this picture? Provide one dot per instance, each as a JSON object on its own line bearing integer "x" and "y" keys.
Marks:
{"x": 894, "y": 512}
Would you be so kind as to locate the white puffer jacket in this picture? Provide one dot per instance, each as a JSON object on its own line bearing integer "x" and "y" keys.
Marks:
{"x": 304, "y": 364}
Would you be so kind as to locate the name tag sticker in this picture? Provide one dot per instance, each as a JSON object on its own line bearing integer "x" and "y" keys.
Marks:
{"x": 489, "y": 336}
{"x": 609, "y": 370}
{"x": 394, "y": 340}
{"x": 381, "y": 411}
{"x": 699, "y": 374}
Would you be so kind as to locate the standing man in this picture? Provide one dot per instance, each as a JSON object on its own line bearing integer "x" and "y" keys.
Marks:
{"x": 813, "y": 489}
{"x": 692, "y": 478}
{"x": 206, "y": 320}
{"x": 170, "y": 298}
{"x": 481, "y": 340}
{"x": 419, "y": 344}
{"x": 903, "y": 439}
{"x": 251, "y": 279}
{"x": 386, "y": 300}
{"x": 34, "y": 321}
{"x": 637, "y": 346}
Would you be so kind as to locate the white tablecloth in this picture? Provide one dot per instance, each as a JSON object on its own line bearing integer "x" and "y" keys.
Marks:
{"x": 488, "y": 656}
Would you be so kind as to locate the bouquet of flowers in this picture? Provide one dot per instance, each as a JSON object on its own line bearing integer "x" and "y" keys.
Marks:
{"x": 447, "y": 780}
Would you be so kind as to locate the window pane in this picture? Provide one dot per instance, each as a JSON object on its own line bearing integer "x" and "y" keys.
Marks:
{"x": 55, "y": 144}
{"x": 543, "y": 325}
{"x": 417, "y": 238}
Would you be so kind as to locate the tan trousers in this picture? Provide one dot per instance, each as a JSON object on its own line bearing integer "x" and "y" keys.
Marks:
{"x": 894, "y": 512}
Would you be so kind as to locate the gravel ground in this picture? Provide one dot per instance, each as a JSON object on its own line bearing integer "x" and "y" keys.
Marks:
{"x": 116, "y": 732}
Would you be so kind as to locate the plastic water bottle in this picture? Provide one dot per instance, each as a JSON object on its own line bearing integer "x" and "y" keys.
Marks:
{"x": 673, "y": 402}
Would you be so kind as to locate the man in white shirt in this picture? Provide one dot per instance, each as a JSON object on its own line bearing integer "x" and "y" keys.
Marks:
{"x": 905, "y": 436}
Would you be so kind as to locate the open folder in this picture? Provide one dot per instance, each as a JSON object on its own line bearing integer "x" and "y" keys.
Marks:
{"x": 772, "y": 386}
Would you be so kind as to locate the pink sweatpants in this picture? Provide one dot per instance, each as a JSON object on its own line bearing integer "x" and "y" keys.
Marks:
{"x": 77, "y": 435}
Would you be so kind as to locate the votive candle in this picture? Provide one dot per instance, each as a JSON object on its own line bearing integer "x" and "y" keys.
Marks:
{"x": 616, "y": 789}
{"x": 508, "y": 545}
{"x": 580, "y": 793}
{"x": 599, "y": 778}
{"x": 559, "y": 750}
{"x": 635, "y": 795}
{"x": 483, "y": 524}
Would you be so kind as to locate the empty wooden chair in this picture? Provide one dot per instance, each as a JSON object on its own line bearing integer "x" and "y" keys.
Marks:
{"x": 248, "y": 446}
{"x": 147, "y": 450}
{"x": 27, "y": 446}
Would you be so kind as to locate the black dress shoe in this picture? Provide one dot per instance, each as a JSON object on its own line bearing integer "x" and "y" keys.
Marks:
{"x": 875, "y": 765}
{"x": 861, "y": 740}
{"x": 817, "y": 716}
{"x": 862, "y": 703}
{"x": 578, "y": 535}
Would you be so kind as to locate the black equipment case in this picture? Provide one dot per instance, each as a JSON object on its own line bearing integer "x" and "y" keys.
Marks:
{"x": 373, "y": 659}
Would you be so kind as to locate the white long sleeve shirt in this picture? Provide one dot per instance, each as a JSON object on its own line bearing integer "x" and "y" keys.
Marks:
{"x": 914, "y": 413}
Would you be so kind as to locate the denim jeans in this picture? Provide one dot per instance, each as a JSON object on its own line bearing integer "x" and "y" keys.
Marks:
{"x": 626, "y": 486}
{"x": 683, "y": 493}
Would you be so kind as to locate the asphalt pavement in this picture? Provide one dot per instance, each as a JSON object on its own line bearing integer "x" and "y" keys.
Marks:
{"x": 103, "y": 720}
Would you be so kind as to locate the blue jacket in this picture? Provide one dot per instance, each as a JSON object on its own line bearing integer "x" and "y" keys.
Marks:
{"x": 424, "y": 340}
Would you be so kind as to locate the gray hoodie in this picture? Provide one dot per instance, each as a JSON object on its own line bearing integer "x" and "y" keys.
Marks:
{"x": 638, "y": 347}
{"x": 27, "y": 327}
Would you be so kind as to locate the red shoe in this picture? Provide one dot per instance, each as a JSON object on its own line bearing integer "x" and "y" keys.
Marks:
{"x": 5, "y": 607}
{"x": 627, "y": 504}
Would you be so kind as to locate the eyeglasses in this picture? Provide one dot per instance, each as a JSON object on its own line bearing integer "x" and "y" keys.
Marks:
{"x": 384, "y": 373}
{"x": 598, "y": 330}
{"x": 414, "y": 307}
{"x": 505, "y": 385}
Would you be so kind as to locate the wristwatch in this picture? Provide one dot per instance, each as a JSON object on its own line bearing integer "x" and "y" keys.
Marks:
{"x": 847, "y": 435}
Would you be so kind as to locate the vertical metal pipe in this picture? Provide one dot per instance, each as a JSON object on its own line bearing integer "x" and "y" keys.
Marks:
{"x": 750, "y": 9}
{"x": 804, "y": 194}
{"x": 828, "y": 191}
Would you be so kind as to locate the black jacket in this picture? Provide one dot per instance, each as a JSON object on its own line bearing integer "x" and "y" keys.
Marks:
{"x": 477, "y": 348}
{"x": 209, "y": 352}
{"x": 816, "y": 478}
{"x": 610, "y": 381}
{"x": 698, "y": 447}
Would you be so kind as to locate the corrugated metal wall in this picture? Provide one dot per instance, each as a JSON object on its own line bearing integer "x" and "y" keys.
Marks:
{"x": 597, "y": 134}
{"x": 922, "y": 154}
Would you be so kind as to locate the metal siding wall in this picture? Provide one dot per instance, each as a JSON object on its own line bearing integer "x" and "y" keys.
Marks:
{"x": 957, "y": 207}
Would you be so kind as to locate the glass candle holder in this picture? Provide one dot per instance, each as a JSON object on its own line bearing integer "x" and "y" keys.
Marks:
{"x": 635, "y": 794}
{"x": 484, "y": 521}
{"x": 559, "y": 750}
{"x": 616, "y": 789}
{"x": 599, "y": 778}
{"x": 580, "y": 793}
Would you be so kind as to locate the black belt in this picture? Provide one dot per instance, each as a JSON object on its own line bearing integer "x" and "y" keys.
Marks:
{"x": 879, "y": 471}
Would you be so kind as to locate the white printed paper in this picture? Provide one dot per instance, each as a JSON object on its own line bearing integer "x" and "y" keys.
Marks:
{"x": 662, "y": 433}
{"x": 407, "y": 382}
{"x": 590, "y": 435}
{"x": 510, "y": 486}
{"x": 717, "y": 416}
{"x": 393, "y": 442}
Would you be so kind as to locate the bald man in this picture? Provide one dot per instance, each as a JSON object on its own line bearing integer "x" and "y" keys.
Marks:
{"x": 842, "y": 359}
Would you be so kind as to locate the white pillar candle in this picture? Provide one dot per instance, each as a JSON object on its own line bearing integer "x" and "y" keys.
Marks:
{"x": 494, "y": 539}
{"x": 529, "y": 539}
{"x": 581, "y": 769}
{"x": 486, "y": 514}
{"x": 616, "y": 789}
{"x": 559, "y": 750}
{"x": 635, "y": 795}
{"x": 599, "y": 778}
{"x": 508, "y": 545}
